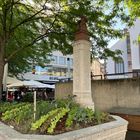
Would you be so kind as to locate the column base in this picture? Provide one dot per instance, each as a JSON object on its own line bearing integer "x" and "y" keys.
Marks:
{"x": 84, "y": 99}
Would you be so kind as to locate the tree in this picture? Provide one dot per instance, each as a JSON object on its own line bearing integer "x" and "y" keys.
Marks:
{"x": 134, "y": 8}
{"x": 30, "y": 30}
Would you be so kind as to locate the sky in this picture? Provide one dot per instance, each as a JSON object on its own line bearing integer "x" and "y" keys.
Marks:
{"x": 120, "y": 26}
{"x": 112, "y": 42}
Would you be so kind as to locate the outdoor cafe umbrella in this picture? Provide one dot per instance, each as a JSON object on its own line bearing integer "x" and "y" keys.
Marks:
{"x": 11, "y": 80}
{"x": 31, "y": 84}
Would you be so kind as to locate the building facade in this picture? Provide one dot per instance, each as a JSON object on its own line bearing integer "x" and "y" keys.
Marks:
{"x": 59, "y": 65}
{"x": 59, "y": 68}
{"x": 129, "y": 61}
{"x": 97, "y": 69}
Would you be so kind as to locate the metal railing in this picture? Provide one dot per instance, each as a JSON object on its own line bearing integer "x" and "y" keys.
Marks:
{"x": 65, "y": 79}
{"x": 108, "y": 76}
{"x": 116, "y": 76}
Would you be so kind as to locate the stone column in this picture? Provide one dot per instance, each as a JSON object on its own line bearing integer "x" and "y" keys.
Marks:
{"x": 81, "y": 67}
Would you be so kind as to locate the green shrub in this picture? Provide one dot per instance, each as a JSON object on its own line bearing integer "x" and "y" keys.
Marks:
{"x": 79, "y": 115}
{"x": 101, "y": 117}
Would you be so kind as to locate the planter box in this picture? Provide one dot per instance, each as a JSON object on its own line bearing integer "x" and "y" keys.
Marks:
{"x": 132, "y": 115}
{"x": 115, "y": 130}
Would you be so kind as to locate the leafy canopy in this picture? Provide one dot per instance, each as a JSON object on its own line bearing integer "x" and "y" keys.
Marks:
{"x": 134, "y": 7}
{"x": 32, "y": 29}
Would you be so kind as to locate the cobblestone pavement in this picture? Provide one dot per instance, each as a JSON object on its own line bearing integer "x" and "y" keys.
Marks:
{"x": 132, "y": 135}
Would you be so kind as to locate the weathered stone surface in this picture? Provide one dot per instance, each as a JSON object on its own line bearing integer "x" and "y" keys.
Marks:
{"x": 81, "y": 73}
{"x": 81, "y": 66}
{"x": 107, "y": 94}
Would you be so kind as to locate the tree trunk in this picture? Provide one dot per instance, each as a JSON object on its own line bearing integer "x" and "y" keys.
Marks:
{"x": 2, "y": 62}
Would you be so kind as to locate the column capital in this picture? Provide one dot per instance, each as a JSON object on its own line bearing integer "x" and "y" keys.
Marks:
{"x": 82, "y": 32}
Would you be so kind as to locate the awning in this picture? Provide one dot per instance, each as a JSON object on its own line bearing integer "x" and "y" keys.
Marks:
{"x": 31, "y": 84}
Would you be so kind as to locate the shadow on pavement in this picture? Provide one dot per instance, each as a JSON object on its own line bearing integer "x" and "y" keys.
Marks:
{"x": 132, "y": 135}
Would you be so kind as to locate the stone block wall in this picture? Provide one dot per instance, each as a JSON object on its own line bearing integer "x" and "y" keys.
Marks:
{"x": 108, "y": 93}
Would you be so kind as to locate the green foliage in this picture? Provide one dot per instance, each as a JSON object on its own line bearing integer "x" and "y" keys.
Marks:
{"x": 31, "y": 30}
{"x": 43, "y": 118}
{"x": 43, "y": 107}
{"x": 18, "y": 114}
{"x": 6, "y": 106}
{"x": 139, "y": 39}
{"x": 101, "y": 116}
{"x": 134, "y": 8}
{"x": 56, "y": 119}
{"x": 78, "y": 115}
{"x": 25, "y": 113}
{"x": 28, "y": 97}
{"x": 71, "y": 117}
{"x": 52, "y": 117}
{"x": 68, "y": 102}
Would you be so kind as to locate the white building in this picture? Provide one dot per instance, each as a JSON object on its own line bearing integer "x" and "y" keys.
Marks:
{"x": 130, "y": 58}
{"x": 60, "y": 67}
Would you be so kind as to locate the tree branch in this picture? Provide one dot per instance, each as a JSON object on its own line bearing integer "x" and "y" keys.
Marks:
{"x": 26, "y": 20}
{"x": 11, "y": 15}
{"x": 33, "y": 42}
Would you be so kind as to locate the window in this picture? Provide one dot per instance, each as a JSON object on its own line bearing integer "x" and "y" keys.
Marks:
{"x": 119, "y": 66}
{"x": 62, "y": 60}
{"x": 54, "y": 58}
{"x": 40, "y": 69}
{"x": 71, "y": 62}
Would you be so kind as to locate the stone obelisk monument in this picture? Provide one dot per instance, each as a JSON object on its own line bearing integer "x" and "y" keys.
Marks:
{"x": 81, "y": 67}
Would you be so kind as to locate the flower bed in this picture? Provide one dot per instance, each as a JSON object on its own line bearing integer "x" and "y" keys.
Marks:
{"x": 53, "y": 118}
{"x": 114, "y": 130}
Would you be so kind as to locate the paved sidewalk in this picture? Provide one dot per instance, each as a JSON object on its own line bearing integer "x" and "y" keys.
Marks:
{"x": 133, "y": 135}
